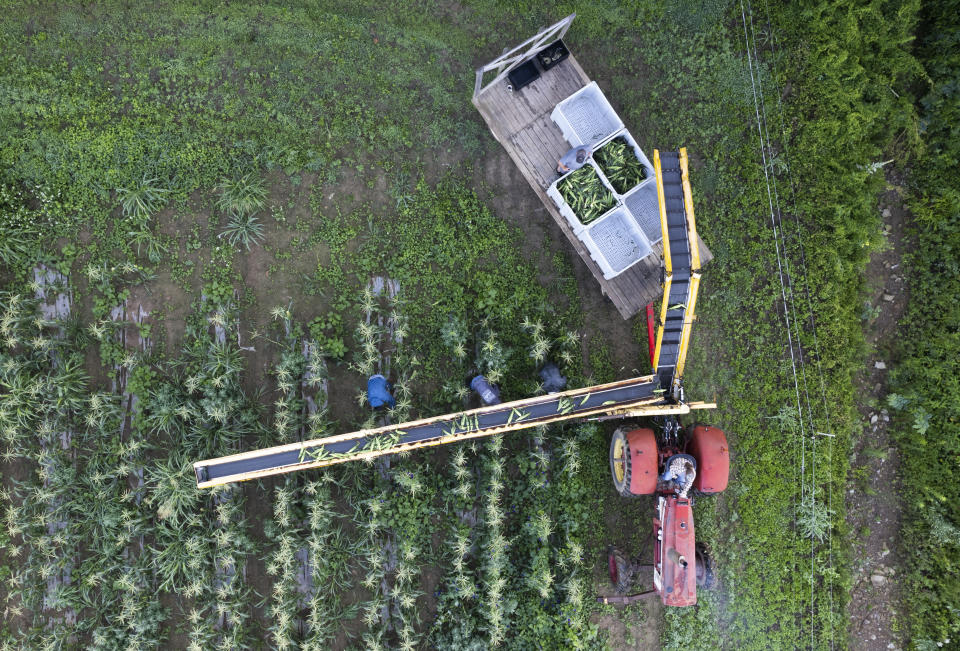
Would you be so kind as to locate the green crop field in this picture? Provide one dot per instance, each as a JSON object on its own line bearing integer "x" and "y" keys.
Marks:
{"x": 216, "y": 219}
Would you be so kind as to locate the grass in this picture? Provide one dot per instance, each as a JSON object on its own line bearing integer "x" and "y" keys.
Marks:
{"x": 243, "y": 229}
{"x": 925, "y": 381}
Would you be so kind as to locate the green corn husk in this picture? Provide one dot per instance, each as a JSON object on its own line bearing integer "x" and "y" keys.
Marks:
{"x": 586, "y": 195}
{"x": 620, "y": 165}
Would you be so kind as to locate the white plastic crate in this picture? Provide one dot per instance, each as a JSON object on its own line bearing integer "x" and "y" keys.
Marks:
{"x": 586, "y": 117}
{"x": 647, "y": 166}
{"x": 615, "y": 242}
{"x": 644, "y": 207}
{"x": 554, "y": 193}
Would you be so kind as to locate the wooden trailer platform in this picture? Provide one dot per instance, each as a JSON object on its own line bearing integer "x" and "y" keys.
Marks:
{"x": 520, "y": 121}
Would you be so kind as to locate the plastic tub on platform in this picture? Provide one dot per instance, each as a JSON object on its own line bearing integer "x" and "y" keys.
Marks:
{"x": 644, "y": 207}
{"x": 554, "y": 193}
{"x": 649, "y": 173}
{"x": 586, "y": 117}
{"x": 615, "y": 242}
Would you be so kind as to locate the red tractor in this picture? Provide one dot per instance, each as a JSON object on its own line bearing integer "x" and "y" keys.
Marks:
{"x": 638, "y": 461}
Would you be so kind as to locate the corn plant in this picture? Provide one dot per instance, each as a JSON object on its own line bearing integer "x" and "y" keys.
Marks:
{"x": 142, "y": 198}
{"x": 540, "y": 458}
{"x": 406, "y": 367}
{"x": 116, "y": 578}
{"x": 243, "y": 228}
{"x": 540, "y": 348}
{"x": 368, "y": 337}
{"x": 289, "y": 373}
{"x": 41, "y": 406}
{"x": 331, "y": 555}
{"x": 404, "y": 595}
{"x": 562, "y": 349}
{"x": 620, "y": 165}
{"x": 538, "y": 528}
{"x": 496, "y": 546}
{"x": 585, "y": 193}
{"x": 540, "y": 575}
{"x": 283, "y": 564}
{"x": 491, "y": 356}
{"x": 242, "y": 196}
{"x": 454, "y": 337}
{"x": 461, "y": 584}
{"x": 200, "y": 549}
{"x": 569, "y": 559}
{"x": 375, "y": 612}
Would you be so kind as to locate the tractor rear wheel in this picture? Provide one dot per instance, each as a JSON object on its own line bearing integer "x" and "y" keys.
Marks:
{"x": 620, "y": 569}
{"x": 706, "y": 578}
{"x": 633, "y": 462}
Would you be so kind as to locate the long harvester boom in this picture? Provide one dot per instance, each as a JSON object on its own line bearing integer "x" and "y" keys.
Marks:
{"x": 654, "y": 395}
{"x": 635, "y": 397}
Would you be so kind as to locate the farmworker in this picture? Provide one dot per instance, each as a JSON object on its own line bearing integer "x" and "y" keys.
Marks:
{"x": 681, "y": 472}
{"x": 489, "y": 393}
{"x": 378, "y": 392}
{"x": 553, "y": 382}
{"x": 573, "y": 159}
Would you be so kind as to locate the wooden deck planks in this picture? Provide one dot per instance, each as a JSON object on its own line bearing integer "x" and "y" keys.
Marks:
{"x": 520, "y": 121}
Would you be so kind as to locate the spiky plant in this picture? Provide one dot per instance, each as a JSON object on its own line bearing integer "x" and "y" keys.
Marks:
{"x": 142, "y": 198}
{"x": 242, "y": 196}
{"x": 496, "y": 547}
{"x": 814, "y": 519}
{"x": 454, "y": 336}
{"x": 154, "y": 246}
{"x": 540, "y": 348}
{"x": 368, "y": 301}
{"x": 244, "y": 229}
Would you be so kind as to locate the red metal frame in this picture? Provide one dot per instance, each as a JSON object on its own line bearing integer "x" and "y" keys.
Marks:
{"x": 674, "y": 550}
{"x": 651, "y": 336}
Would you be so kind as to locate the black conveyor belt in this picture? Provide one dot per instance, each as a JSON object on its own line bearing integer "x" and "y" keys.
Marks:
{"x": 677, "y": 237}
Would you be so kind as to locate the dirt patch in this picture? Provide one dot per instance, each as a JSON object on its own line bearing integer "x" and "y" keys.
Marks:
{"x": 636, "y": 626}
{"x": 627, "y": 526}
{"x": 874, "y": 510}
{"x": 168, "y": 305}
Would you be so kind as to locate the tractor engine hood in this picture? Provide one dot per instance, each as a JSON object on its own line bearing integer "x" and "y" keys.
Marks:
{"x": 674, "y": 570}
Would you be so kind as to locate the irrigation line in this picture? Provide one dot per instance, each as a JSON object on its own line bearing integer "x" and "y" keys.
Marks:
{"x": 778, "y": 238}
{"x": 813, "y": 326}
{"x": 803, "y": 263}
{"x": 803, "y": 373}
